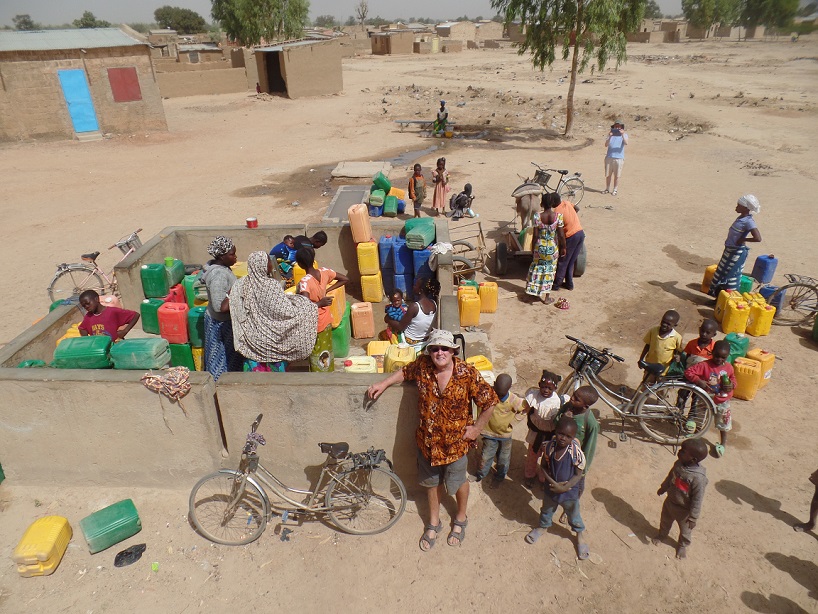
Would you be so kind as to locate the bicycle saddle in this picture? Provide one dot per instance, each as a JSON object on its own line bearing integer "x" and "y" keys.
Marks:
{"x": 563, "y": 172}
{"x": 90, "y": 257}
{"x": 654, "y": 368}
{"x": 335, "y": 450}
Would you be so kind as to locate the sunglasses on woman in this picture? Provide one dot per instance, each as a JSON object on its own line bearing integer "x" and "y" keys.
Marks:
{"x": 434, "y": 349}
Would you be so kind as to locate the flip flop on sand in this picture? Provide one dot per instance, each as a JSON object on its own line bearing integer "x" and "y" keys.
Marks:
{"x": 583, "y": 552}
{"x": 534, "y": 535}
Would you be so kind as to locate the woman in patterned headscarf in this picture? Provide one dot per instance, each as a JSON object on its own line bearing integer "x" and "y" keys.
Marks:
{"x": 219, "y": 353}
{"x": 270, "y": 327}
{"x": 743, "y": 230}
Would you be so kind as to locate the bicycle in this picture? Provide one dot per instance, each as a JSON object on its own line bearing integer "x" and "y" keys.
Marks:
{"x": 797, "y": 301}
{"x": 72, "y": 279}
{"x": 669, "y": 410}
{"x": 232, "y": 507}
{"x": 569, "y": 188}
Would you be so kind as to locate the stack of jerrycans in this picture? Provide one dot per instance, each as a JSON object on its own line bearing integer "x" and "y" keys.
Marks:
{"x": 42, "y": 546}
{"x": 195, "y": 323}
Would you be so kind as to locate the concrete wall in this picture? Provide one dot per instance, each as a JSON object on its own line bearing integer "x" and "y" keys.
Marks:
{"x": 461, "y": 31}
{"x": 171, "y": 65}
{"x": 452, "y": 46}
{"x": 488, "y": 30}
{"x": 202, "y": 82}
{"x": 38, "y": 341}
{"x": 103, "y": 427}
{"x": 313, "y": 70}
{"x": 205, "y": 56}
{"x": 32, "y": 105}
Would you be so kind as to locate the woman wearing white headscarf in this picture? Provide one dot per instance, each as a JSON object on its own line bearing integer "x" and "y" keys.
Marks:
{"x": 270, "y": 328}
{"x": 742, "y": 231}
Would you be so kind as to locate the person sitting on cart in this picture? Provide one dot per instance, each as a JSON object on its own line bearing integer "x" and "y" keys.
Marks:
{"x": 461, "y": 204}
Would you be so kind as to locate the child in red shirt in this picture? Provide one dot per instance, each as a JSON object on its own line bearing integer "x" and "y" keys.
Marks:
{"x": 701, "y": 349}
{"x": 716, "y": 376}
{"x": 101, "y": 320}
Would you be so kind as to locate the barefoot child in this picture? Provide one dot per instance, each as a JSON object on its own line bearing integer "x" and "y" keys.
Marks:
{"x": 417, "y": 188}
{"x": 662, "y": 343}
{"x": 684, "y": 485}
{"x": 701, "y": 349}
{"x": 440, "y": 177}
{"x": 101, "y": 320}
{"x": 578, "y": 408}
{"x": 564, "y": 464}
{"x": 717, "y": 377}
{"x": 496, "y": 435}
{"x": 543, "y": 406}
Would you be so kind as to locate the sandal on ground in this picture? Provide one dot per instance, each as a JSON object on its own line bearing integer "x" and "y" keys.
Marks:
{"x": 562, "y": 303}
{"x": 719, "y": 450}
{"x": 534, "y": 535}
{"x": 564, "y": 518}
{"x": 458, "y": 537}
{"x": 583, "y": 552}
{"x": 430, "y": 541}
{"x": 614, "y": 192}
{"x": 606, "y": 191}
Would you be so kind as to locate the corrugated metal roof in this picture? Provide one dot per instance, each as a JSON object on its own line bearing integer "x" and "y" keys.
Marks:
{"x": 199, "y": 47}
{"x": 85, "y": 38}
{"x": 284, "y": 46}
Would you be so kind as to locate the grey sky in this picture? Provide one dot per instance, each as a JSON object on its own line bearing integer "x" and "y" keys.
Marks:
{"x": 117, "y": 11}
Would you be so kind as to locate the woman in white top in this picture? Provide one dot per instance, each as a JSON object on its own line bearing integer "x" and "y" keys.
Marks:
{"x": 420, "y": 316}
{"x": 544, "y": 404}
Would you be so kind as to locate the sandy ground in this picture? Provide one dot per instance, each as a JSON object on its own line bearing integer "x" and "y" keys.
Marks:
{"x": 715, "y": 120}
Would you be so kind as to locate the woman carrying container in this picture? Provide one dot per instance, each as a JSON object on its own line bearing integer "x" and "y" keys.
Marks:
{"x": 743, "y": 230}
{"x": 219, "y": 352}
{"x": 270, "y": 328}
{"x": 419, "y": 318}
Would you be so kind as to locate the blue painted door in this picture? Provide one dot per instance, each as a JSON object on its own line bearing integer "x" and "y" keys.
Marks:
{"x": 78, "y": 98}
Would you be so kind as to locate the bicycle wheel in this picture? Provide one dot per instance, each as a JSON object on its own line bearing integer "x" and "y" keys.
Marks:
{"x": 462, "y": 268}
{"x": 73, "y": 281}
{"x": 365, "y": 501}
{"x": 799, "y": 303}
{"x": 569, "y": 384}
{"x": 227, "y": 512}
{"x": 573, "y": 190}
{"x": 674, "y": 411}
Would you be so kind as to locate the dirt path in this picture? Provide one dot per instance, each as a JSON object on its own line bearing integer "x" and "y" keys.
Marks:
{"x": 715, "y": 120}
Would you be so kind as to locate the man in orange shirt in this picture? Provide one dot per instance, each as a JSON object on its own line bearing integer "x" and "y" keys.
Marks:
{"x": 574, "y": 240}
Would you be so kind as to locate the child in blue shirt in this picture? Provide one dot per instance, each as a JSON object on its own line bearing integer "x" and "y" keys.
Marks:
{"x": 284, "y": 253}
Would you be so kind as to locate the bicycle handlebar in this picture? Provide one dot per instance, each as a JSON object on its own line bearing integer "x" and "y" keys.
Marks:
{"x": 128, "y": 238}
{"x": 256, "y": 422}
{"x": 604, "y": 351}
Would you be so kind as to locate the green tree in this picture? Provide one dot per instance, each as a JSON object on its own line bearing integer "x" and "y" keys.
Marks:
{"x": 24, "y": 22}
{"x": 184, "y": 21}
{"x": 350, "y": 21}
{"x": 88, "y": 20}
{"x": 250, "y": 21}
{"x": 591, "y": 32}
{"x": 377, "y": 21}
{"x": 325, "y": 21}
{"x": 705, "y": 13}
{"x": 652, "y": 10}
{"x": 775, "y": 14}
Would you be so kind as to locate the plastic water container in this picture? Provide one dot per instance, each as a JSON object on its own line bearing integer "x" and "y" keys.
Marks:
{"x": 376, "y": 198}
{"x": 736, "y": 315}
{"x": 751, "y": 298}
{"x": 402, "y": 257}
{"x": 767, "y": 361}
{"x": 368, "y": 261}
{"x": 420, "y": 262}
{"x": 240, "y": 269}
{"x": 196, "y": 326}
{"x": 110, "y": 300}
{"x": 526, "y": 238}
{"x": 173, "y": 322}
{"x": 390, "y": 206}
{"x": 469, "y": 308}
{"x": 174, "y": 270}
{"x": 397, "y": 193}
{"x": 359, "y": 223}
{"x": 721, "y": 303}
{"x": 398, "y": 356}
{"x": 198, "y": 358}
{"x": 377, "y": 349}
{"x": 149, "y": 310}
{"x": 298, "y": 272}
{"x": 154, "y": 281}
{"x": 360, "y": 364}
{"x": 176, "y": 295}
{"x": 363, "y": 321}
{"x": 480, "y": 362}
{"x": 110, "y": 525}
{"x": 404, "y": 283}
{"x": 764, "y": 268}
{"x": 72, "y": 332}
{"x": 190, "y": 293}
{"x": 708, "y": 277}
{"x": 768, "y": 291}
{"x": 388, "y": 279}
{"x": 466, "y": 289}
{"x": 401, "y": 206}
{"x": 746, "y": 284}
{"x": 748, "y": 378}
{"x": 42, "y": 546}
{"x": 341, "y": 335}
{"x": 760, "y": 320}
{"x": 375, "y": 210}
{"x": 372, "y": 288}
{"x": 181, "y": 355}
{"x": 339, "y": 305}
{"x": 739, "y": 343}
{"x": 385, "y": 259}
{"x": 89, "y": 352}
{"x": 489, "y": 295}
{"x": 382, "y": 182}
{"x": 140, "y": 354}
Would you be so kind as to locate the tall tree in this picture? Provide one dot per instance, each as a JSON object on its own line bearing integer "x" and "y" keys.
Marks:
{"x": 180, "y": 19}
{"x": 88, "y": 20}
{"x": 775, "y": 14}
{"x": 361, "y": 12}
{"x": 705, "y": 13}
{"x": 591, "y": 32}
{"x": 325, "y": 21}
{"x": 652, "y": 10}
{"x": 24, "y": 22}
{"x": 250, "y": 21}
